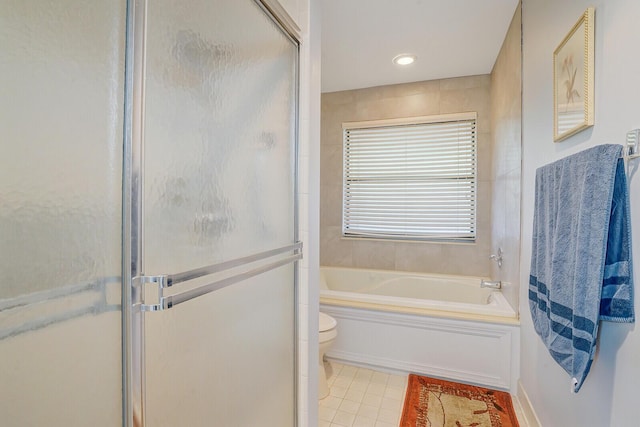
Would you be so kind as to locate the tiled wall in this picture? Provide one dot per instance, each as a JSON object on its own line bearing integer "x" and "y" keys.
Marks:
{"x": 404, "y": 100}
{"x": 306, "y": 14}
{"x": 506, "y": 129}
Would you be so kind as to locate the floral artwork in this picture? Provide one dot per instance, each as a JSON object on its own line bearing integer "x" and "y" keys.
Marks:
{"x": 573, "y": 80}
{"x": 569, "y": 72}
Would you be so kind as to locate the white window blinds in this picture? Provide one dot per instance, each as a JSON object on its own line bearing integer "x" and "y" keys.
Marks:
{"x": 412, "y": 179}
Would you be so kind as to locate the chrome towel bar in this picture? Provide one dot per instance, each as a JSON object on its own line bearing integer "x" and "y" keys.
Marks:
{"x": 165, "y": 281}
{"x": 632, "y": 150}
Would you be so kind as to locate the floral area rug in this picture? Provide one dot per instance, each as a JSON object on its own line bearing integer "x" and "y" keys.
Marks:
{"x": 437, "y": 403}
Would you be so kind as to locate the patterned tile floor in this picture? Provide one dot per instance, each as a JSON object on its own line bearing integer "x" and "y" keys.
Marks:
{"x": 362, "y": 397}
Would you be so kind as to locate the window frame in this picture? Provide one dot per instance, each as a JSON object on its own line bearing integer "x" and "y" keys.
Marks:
{"x": 402, "y": 122}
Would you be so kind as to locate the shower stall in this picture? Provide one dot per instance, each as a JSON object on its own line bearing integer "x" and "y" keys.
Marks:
{"x": 148, "y": 229}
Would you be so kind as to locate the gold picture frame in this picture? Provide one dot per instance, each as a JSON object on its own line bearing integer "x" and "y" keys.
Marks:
{"x": 573, "y": 83}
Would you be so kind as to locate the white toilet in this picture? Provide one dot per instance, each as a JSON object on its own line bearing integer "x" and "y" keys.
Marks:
{"x": 328, "y": 333}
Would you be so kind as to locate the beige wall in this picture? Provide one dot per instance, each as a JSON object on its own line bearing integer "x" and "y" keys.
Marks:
{"x": 404, "y": 100}
{"x": 506, "y": 129}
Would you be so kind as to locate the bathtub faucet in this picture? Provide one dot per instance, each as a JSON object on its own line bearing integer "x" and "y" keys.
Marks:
{"x": 489, "y": 284}
{"x": 497, "y": 257}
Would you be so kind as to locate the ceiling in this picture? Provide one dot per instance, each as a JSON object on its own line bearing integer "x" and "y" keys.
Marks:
{"x": 451, "y": 38}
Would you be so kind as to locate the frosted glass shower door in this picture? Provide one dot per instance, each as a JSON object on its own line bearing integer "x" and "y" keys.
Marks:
{"x": 61, "y": 155}
{"x": 218, "y": 215}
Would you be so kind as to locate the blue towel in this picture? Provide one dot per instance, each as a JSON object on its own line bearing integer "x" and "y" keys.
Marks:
{"x": 581, "y": 265}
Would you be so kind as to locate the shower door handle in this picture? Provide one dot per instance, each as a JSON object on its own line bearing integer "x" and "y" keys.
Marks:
{"x": 165, "y": 281}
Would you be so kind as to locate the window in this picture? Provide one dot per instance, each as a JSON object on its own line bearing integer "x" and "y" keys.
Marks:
{"x": 410, "y": 179}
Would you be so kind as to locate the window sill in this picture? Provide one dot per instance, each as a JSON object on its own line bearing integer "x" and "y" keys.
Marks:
{"x": 412, "y": 241}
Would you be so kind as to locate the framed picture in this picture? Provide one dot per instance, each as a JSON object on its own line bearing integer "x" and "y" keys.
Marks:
{"x": 573, "y": 79}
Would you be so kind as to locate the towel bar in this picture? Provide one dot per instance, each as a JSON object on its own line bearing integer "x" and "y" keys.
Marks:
{"x": 633, "y": 140}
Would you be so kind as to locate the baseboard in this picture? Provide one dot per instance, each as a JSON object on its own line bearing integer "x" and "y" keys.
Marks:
{"x": 527, "y": 408}
{"x": 396, "y": 366}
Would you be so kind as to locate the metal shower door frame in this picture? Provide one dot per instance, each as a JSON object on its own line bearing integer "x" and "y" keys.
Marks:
{"x": 133, "y": 369}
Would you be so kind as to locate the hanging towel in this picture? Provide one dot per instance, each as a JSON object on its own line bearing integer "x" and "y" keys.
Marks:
{"x": 581, "y": 265}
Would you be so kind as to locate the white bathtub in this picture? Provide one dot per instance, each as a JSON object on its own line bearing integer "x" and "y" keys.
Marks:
{"x": 405, "y": 291}
{"x": 439, "y": 325}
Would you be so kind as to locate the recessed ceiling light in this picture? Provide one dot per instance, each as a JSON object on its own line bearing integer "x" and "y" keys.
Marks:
{"x": 404, "y": 59}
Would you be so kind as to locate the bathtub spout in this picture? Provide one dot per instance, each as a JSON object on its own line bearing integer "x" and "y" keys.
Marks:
{"x": 489, "y": 284}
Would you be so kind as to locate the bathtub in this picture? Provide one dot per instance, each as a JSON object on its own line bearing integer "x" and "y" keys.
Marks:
{"x": 403, "y": 291}
{"x": 437, "y": 325}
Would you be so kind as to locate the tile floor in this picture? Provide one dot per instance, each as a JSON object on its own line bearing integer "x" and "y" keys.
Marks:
{"x": 361, "y": 397}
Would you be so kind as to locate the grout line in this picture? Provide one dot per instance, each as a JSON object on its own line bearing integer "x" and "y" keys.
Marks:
{"x": 362, "y": 397}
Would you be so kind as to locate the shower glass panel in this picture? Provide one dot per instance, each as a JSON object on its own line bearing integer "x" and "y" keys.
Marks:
{"x": 61, "y": 120}
{"x": 219, "y": 184}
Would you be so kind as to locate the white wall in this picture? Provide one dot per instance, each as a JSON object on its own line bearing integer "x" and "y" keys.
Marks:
{"x": 609, "y": 395}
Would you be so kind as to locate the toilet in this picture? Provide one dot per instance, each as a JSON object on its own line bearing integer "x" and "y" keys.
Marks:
{"x": 328, "y": 333}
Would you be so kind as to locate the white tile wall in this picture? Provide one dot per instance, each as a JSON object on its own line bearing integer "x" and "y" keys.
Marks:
{"x": 306, "y": 13}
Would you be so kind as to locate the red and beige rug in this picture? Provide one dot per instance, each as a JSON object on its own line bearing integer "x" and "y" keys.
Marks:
{"x": 437, "y": 403}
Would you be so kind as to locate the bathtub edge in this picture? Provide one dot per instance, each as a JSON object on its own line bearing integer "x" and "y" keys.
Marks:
{"x": 512, "y": 321}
